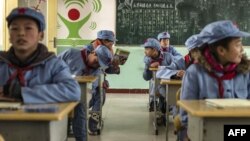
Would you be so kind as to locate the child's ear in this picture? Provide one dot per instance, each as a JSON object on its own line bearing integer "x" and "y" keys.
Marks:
{"x": 221, "y": 50}
{"x": 42, "y": 36}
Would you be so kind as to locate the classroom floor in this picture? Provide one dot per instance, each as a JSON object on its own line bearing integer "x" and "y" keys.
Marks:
{"x": 126, "y": 118}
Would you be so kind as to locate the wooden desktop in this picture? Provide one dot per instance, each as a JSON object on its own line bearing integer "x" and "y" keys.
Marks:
{"x": 206, "y": 122}
{"x": 23, "y": 126}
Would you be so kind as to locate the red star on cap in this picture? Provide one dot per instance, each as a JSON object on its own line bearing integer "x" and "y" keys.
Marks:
{"x": 21, "y": 10}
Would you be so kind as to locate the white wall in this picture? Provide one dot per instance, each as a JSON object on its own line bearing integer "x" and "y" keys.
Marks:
{"x": 104, "y": 18}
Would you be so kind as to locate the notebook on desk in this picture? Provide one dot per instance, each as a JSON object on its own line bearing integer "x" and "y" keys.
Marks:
{"x": 41, "y": 108}
{"x": 230, "y": 103}
{"x": 9, "y": 106}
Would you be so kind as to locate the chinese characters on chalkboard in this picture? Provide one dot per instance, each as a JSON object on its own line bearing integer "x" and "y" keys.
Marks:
{"x": 139, "y": 19}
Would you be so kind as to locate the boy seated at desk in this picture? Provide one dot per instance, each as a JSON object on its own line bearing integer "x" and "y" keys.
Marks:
{"x": 86, "y": 62}
{"x": 154, "y": 58}
{"x": 222, "y": 69}
{"x": 29, "y": 72}
{"x": 164, "y": 39}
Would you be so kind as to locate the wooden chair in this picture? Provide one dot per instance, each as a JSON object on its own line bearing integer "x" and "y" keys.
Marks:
{"x": 1, "y": 138}
{"x": 177, "y": 120}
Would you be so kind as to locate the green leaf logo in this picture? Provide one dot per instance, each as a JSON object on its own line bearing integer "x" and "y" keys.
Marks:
{"x": 73, "y": 22}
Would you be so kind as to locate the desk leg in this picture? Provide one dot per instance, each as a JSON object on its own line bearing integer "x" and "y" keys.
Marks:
{"x": 170, "y": 100}
{"x": 155, "y": 109}
{"x": 195, "y": 128}
{"x": 85, "y": 101}
{"x": 34, "y": 130}
{"x": 101, "y": 79}
{"x": 167, "y": 111}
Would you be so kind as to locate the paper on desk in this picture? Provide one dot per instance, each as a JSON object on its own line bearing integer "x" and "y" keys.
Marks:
{"x": 41, "y": 108}
{"x": 10, "y": 105}
{"x": 164, "y": 72}
{"x": 228, "y": 102}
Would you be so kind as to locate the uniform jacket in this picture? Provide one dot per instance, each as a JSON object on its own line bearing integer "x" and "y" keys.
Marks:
{"x": 172, "y": 51}
{"x": 48, "y": 81}
{"x": 170, "y": 65}
{"x": 73, "y": 57}
{"x": 170, "y": 62}
{"x": 204, "y": 86}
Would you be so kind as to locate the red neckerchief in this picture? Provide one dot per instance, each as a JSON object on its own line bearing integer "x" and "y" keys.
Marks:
{"x": 188, "y": 59}
{"x": 229, "y": 72}
{"x": 19, "y": 73}
{"x": 160, "y": 59}
{"x": 164, "y": 49}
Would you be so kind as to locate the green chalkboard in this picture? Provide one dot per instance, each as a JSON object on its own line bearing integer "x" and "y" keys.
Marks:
{"x": 139, "y": 19}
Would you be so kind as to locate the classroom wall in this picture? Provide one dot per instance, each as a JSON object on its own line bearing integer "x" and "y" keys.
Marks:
{"x": 131, "y": 72}
{"x": 79, "y": 22}
{"x": 1, "y": 24}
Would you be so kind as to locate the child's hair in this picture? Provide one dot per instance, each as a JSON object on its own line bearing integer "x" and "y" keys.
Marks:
{"x": 192, "y": 57}
{"x": 198, "y": 54}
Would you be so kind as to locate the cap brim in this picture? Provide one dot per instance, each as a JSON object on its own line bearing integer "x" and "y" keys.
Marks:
{"x": 237, "y": 34}
{"x": 242, "y": 34}
{"x": 101, "y": 63}
{"x": 113, "y": 40}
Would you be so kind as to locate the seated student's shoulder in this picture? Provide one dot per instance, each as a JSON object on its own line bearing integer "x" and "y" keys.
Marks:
{"x": 167, "y": 55}
{"x": 195, "y": 68}
{"x": 54, "y": 62}
{"x": 147, "y": 59}
{"x": 72, "y": 51}
{"x": 69, "y": 54}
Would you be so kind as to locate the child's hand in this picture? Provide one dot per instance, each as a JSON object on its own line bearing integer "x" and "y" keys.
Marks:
{"x": 180, "y": 73}
{"x": 155, "y": 65}
{"x": 115, "y": 61}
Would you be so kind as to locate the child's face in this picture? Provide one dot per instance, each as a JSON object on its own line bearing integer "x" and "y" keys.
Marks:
{"x": 164, "y": 42}
{"x": 108, "y": 43}
{"x": 150, "y": 52}
{"x": 93, "y": 60}
{"x": 234, "y": 52}
{"x": 24, "y": 34}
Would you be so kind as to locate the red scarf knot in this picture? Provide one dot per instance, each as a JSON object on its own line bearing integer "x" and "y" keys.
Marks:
{"x": 19, "y": 73}
{"x": 229, "y": 72}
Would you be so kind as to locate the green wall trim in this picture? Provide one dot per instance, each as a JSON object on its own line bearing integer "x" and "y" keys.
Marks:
{"x": 73, "y": 42}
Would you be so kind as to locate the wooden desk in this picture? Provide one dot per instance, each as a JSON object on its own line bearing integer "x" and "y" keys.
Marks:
{"x": 153, "y": 69}
{"x": 85, "y": 83}
{"x": 21, "y": 126}
{"x": 206, "y": 123}
{"x": 172, "y": 87}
